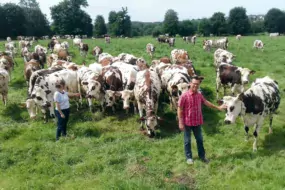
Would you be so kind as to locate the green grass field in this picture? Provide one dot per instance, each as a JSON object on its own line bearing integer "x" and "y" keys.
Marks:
{"x": 110, "y": 152}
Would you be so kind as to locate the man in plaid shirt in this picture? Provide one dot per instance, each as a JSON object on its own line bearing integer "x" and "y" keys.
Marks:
{"x": 191, "y": 118}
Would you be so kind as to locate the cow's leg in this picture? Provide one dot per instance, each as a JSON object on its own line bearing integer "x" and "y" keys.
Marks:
{"x": 171, "y": 103}
{"x": 218, "y": 86}
{"x": 246, "y": 132}
{"x": 141, "y": 114}
{"x": 270, "y": 124}
{"x": 135, "y": 107}
{"x": 4, "y": 98}
{"x": 257, "y": 128}
{"x": 90, "y": 104}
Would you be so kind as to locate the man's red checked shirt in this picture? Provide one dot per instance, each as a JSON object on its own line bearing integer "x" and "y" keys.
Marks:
{"x": 191, "y": 103}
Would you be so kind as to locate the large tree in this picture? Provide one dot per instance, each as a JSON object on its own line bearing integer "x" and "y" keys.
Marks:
{"x": 204, "y": 27}
{"x": 238, "y": 21}
{"x": 170, "y": 23}
{"x": 100, "y": 26}
{"x": 120, "y": 23}
{"x": 274, "y": 21}
{"x": 218, "y": 23}
{"x": 12, "y": 21}
{"x": 186, "y": 28}
{"x": 36, "y": 22}
{"x": 69, "y": 18}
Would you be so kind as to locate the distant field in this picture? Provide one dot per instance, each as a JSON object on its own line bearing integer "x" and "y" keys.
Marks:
{"x": 110, "y": 152}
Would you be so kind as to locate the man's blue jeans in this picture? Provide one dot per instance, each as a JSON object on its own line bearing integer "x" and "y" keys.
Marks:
{"x": 197, "y": 130}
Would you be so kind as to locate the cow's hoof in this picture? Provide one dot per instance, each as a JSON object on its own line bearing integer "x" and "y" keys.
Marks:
{"x": 254, "y": 149}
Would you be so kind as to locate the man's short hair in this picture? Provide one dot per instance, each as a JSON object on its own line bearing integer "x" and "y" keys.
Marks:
{"x": 200, "y": 78}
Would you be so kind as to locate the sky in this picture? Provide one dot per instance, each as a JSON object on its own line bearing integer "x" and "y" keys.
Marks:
{"x": 154, "y": 10}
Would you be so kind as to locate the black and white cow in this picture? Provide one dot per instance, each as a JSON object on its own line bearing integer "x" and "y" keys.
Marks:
{"x": 260, "y": 100}
{"x": 231, "y": 76}
{"x": 147, "y": 91}
{"x": 175, "y": 80}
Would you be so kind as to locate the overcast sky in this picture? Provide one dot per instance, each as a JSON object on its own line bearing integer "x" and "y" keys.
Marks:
{"x": 154, "y": 10}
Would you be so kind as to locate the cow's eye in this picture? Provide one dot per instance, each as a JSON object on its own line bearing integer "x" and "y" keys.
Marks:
{"x": 111, "y": 98}
{"x": 179, "y": 92}
{"x": 232, "y": 108}
{"x": 39, "y": 98}
{"x": 93, "y": 88}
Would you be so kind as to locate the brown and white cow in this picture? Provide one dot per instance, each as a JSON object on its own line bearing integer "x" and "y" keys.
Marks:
{"x": 83, "y": 49}
{"x": 97, "y": 51}
{"x": 30, "y": 67}
{"x": 7, "y": 63}
{"x": 222, "y": 43}
{"x": 150, "y": 49}
{"x": 171, "y": 42}
{"x": 258, "y": 44}
{"x": 179, "y": 55}
{"x": 4, "y": 80}
{"x": 129, "y": 75}
{"x": 234, "y": 77}
{"x": 113, "y": 83}
{"x": 147, "y": 91}
{"x": 107, "y": 39}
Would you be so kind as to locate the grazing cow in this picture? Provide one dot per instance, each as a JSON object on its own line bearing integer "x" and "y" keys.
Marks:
{"x": 222, "y": 56}
{"x": 171, "y": 42}
{"x": 274, "y": 34}
{"x": 129, "y": 75}
{"x": 258, "y": 44}
{"x": 29, "y": 68}
{"x": 4, "y": 80}
{"x": 57, "y": 47}
{"x": 51, "y": 58}
{"x": 113, "y": 82}
{"x": 147, "y": 91}
{"x": 191, "y": 39}
{"x": 97, "y": 51}
{"x": 175, "y": 80}
{"x": 107, "y": 39}
{"x": 63, "y": 55}
{"x": 179, "y": 56}
{"x": 163, "y": 39}
{"x": 238, "y": 37}
{"x": 262, "y": 99}
{"x": 83, "y": 49}
{"x": 150, "y": 49}
{"x": 219, "y": 43}
{"x": 232, "y": 76}
{"x": 39, "y": 48}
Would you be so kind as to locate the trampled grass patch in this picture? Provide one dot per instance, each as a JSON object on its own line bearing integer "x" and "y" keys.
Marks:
{"x": 108, "y": 151}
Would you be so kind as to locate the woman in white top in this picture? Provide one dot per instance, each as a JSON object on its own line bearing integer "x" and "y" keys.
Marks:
{"x": 61, "y": 99}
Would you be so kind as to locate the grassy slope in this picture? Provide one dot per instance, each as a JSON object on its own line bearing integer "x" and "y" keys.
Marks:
{"x": 110, "y": 152}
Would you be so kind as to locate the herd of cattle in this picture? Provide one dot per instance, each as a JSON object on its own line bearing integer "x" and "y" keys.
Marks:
{"x": 129, "y": 78}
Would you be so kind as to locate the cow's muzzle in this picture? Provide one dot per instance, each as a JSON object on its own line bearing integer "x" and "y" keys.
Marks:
{"x": 227, "y": 122}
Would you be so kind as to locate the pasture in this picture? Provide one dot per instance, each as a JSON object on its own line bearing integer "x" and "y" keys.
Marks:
{"x": 110, "y": 152}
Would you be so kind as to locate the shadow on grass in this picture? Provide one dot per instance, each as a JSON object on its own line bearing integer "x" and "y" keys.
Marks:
{"x": 274, "y": 142}
{"x": 14, "y": 112}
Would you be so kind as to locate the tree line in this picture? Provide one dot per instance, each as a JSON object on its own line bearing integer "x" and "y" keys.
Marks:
{"x": 27, "y": 19}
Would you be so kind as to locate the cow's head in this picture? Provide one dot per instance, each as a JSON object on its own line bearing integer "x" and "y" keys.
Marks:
{"x": 31, "y": 107}
{"x": 227, "y": 58}
{"x": 39, "y": 96}
{"x": 235, "y": 107}
{"x": 92, "y": 87}
{"x": 127, "y": 96}
{"x": 177, "y": 91}
{"x": 245, "y": 73}
{"x": 110, "y": 97}
{"x": 151, "y": 122}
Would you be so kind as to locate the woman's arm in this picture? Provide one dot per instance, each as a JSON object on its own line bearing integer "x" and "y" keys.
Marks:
{"x": 70, "y": 94}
